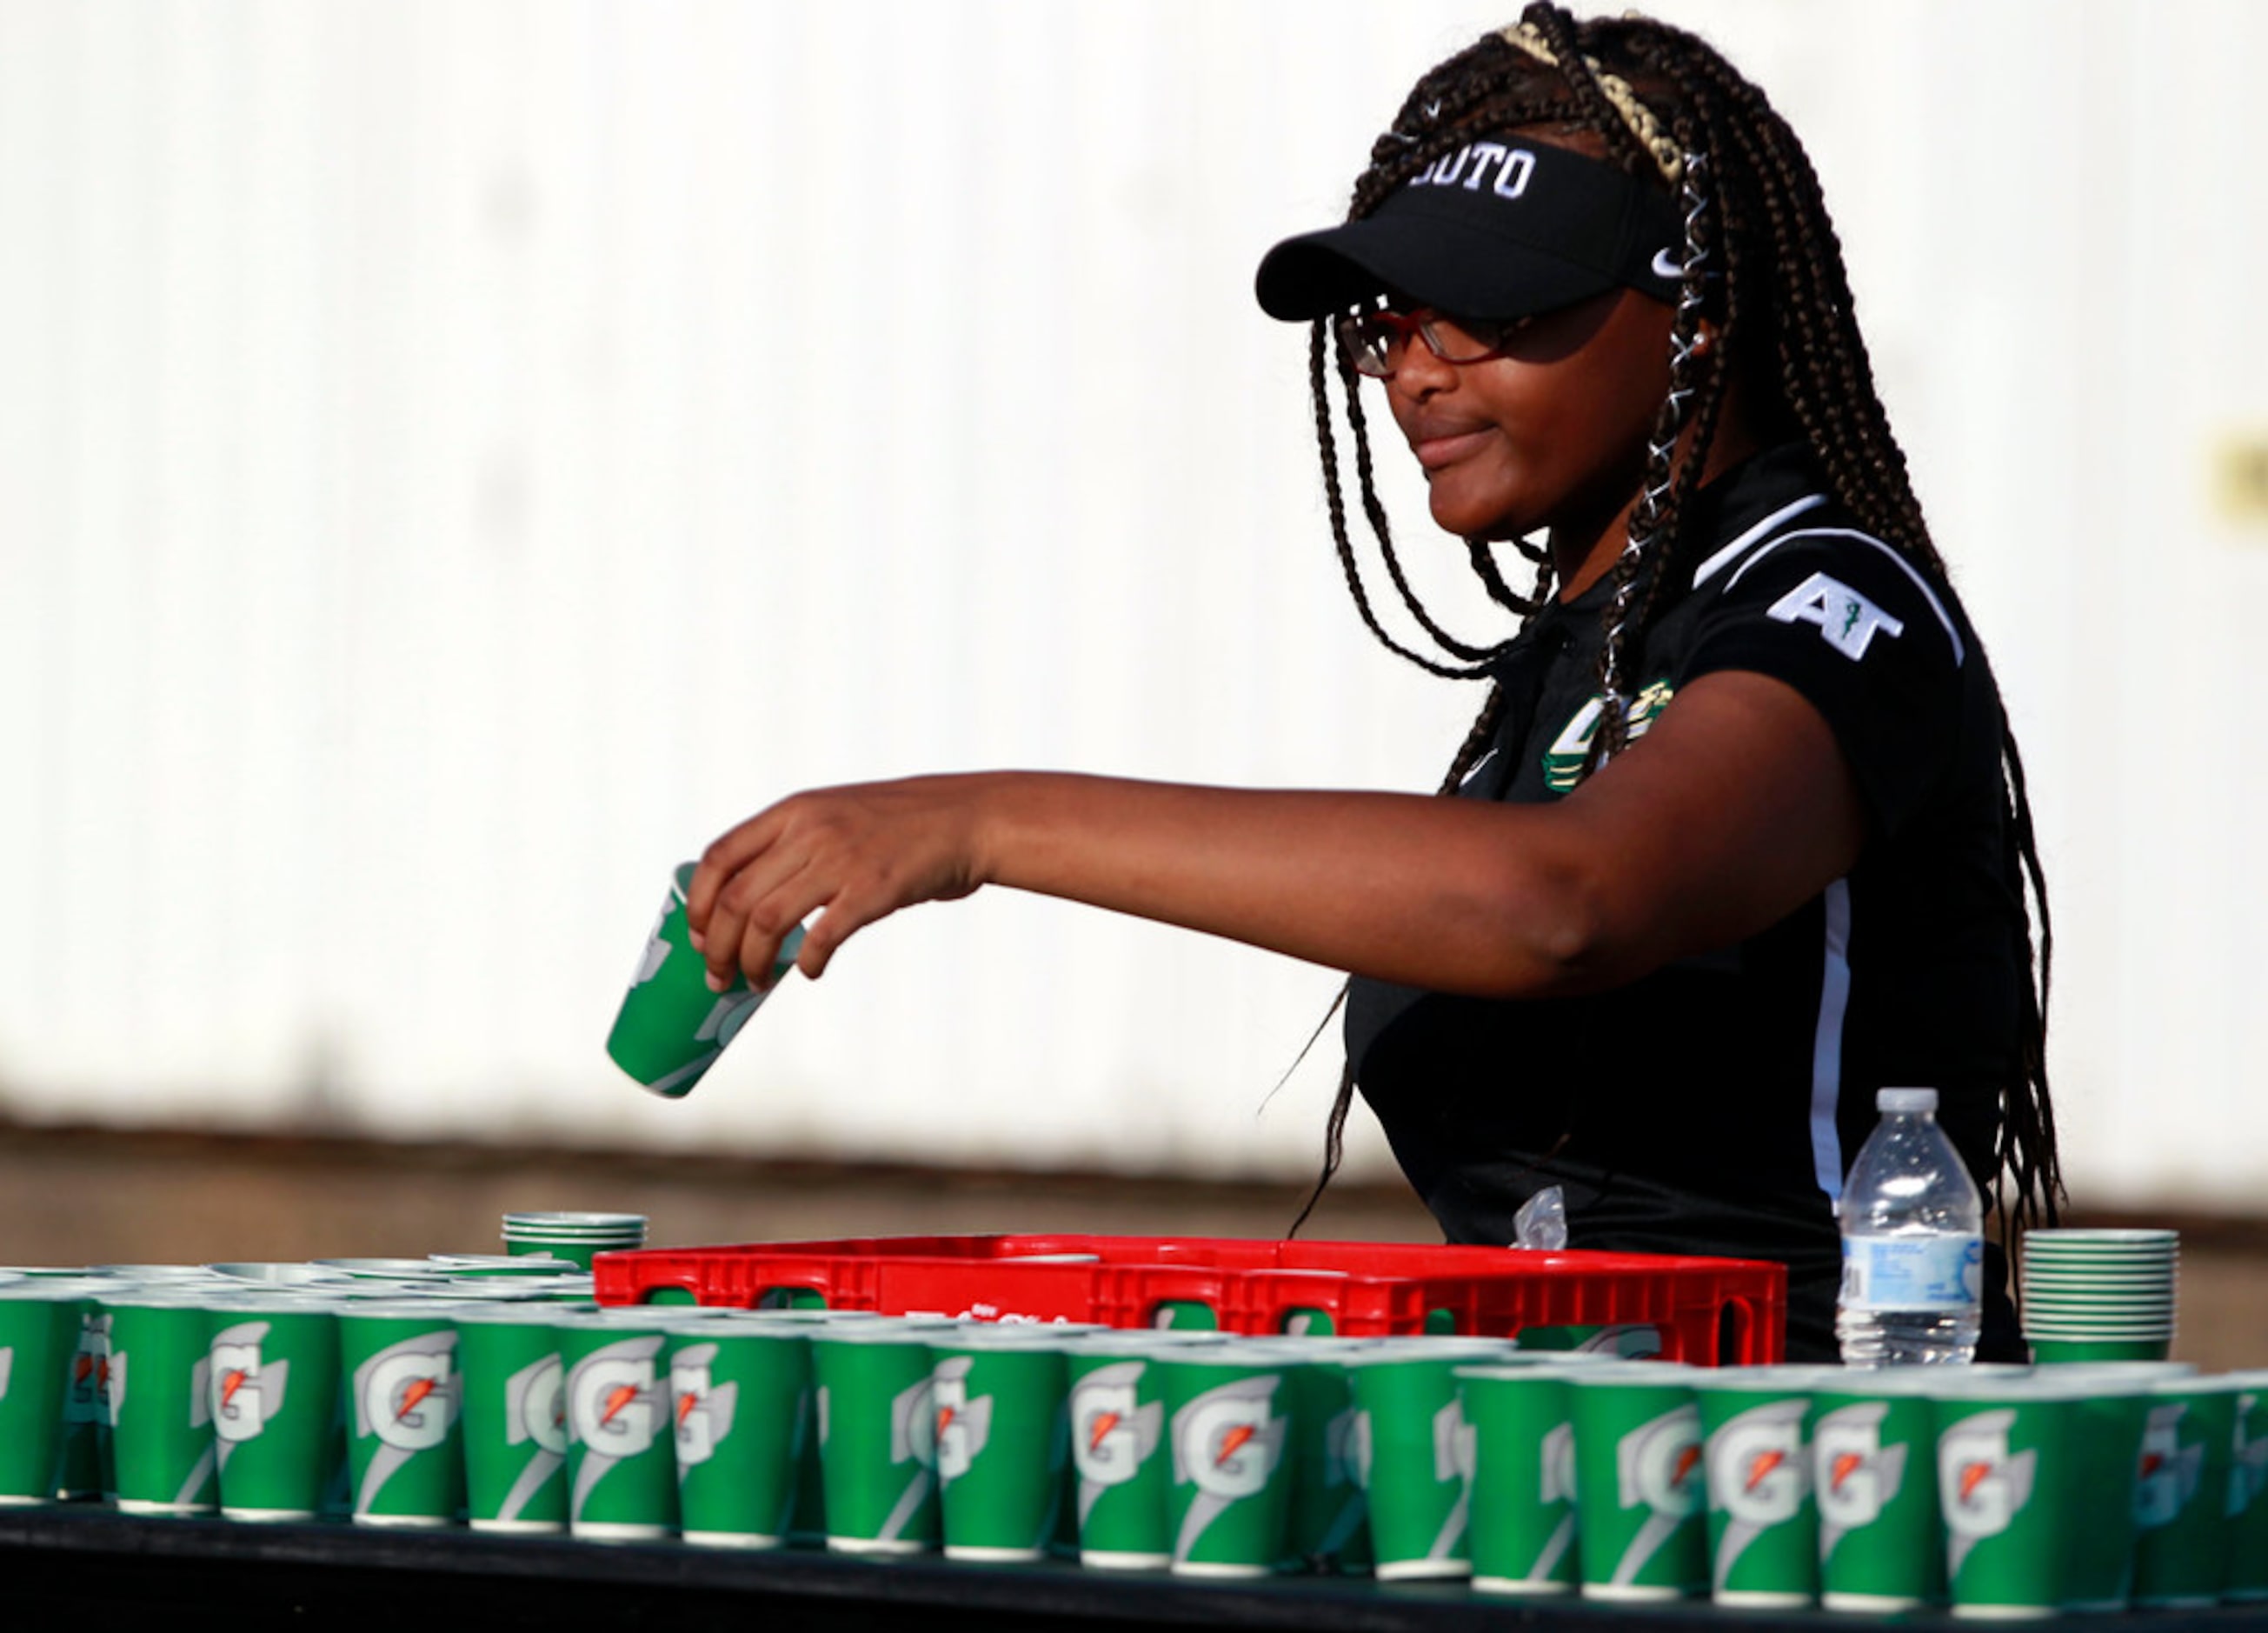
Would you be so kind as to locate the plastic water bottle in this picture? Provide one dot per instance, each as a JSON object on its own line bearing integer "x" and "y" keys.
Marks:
{"x": 1913, "y": 1243}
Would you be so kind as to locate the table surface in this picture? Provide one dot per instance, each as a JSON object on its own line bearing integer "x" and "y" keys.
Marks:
{"x": 81, "y": 1560}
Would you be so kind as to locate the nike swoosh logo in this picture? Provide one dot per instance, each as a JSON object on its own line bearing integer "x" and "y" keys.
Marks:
{"x": 1665, "y": 265}
{"x": 1477, "y": 767}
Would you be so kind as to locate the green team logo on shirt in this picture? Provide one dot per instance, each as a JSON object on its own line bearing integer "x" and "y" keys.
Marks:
{"x": 1562, "y": 761}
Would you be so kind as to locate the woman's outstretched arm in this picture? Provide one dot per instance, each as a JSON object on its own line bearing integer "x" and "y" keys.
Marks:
{"x": 1733, "y": 811}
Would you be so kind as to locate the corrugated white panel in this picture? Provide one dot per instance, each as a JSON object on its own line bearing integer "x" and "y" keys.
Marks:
{"x": 455, "y": 459}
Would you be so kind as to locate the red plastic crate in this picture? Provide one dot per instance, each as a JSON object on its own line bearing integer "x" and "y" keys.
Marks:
{"x": 1707, "y": 1310}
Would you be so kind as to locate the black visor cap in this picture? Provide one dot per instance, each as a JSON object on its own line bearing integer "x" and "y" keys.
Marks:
{"x": 1498, "y": 229}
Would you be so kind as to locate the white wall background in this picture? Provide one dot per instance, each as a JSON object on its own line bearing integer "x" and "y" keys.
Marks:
{"x": 457, "y": 457}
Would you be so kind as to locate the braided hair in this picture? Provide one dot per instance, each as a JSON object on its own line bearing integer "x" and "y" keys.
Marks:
{"x": 1763, "y": 263}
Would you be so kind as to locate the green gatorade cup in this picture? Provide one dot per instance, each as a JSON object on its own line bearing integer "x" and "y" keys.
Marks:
{"x": 40, "y": 1321}
{"x": 2182, "y": 1493}
{"x": 405, "y": 1396}
{"x": 2248, "y": 1490}
{"x": 877, "y": 1434}
{"x": 740, "y": 1403}
{"x": 160, "y": 1412}
{"x": 1639, "y": 1481}
{"x": 1330, "y": 1510}
{"x": 272, "y": 1381}
{"x": 1873, "y": 1451}
{"x": 1763, "y": 1524}
{"x": 1002, "y": 1439}
{"x": 1230, "y": 1431}
{"x": 621, "y": 1459}
{"x": 1522, "y": 1520}
{"x": 2110, "y": 1423}
{"x": 1117, "y": 1412}
{"x": 671, "y": 1027}
{"x": 2007, "y": 1465}
{"x": 1413, "y": 1451}
{"x": 514, "y": 1417}
{"x": 84, "y": 1469}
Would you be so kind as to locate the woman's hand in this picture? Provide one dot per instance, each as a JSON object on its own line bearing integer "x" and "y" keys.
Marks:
{"x": 853, "y": 855}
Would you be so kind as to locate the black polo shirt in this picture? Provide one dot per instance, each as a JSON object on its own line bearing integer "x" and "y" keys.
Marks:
{"x": 1715, "y": 1105}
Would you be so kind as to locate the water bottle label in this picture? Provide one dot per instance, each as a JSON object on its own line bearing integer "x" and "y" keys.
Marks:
{"x": 1912, "y": 1272}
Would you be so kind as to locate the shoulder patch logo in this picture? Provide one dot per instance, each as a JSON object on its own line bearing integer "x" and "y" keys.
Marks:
{"x": 1562, "y": 761}
{"x": 1846, "y": 619}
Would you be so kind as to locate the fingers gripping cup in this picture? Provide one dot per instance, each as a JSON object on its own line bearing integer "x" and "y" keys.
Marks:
{"x": 671, "y": 1027}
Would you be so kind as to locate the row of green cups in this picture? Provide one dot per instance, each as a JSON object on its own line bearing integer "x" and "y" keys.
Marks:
{"x": 151, "y": 1385}
{"x": 2008, "y": 1492}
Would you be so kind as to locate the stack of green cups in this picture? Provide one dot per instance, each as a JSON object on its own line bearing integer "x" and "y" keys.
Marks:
{"x": 40, "y": 1322}
{"x": 573, "y": 1237}
{"x": 672, "y": 1027}
{"x": 2099, "y": 1295}
{"x": 1639, "y": 1481}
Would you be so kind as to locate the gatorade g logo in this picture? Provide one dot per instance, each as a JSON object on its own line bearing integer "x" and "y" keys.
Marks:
{"x": 1111, "y": 1435}
{"x": 534, "y": 1413}
{"x": 1981, "y": 1485}
{"x": 536, "y": 1406}
{"x": 704, "y": 1412}
{"x": 1654, "y": 1468}
{"x": 2247, "y": 1466}
{"x": 86, "y": 1397}
{"x": 244, "y": 1394}
{"x": 1757, "y": 1475}
{"x": 1557, "y": 1465}
{"x": 612, "y": 1410}
{"x": 1228, "y": 1444}
{"x": 964, "y": 1427}
{"x": 1562, "y": 761}
{"x": 913, "y": 1425}
{"x": 2169, "y": 1473}
{"x": 406, "y": 1396}
{"x": 610, "y": 1399}
{"x": 1846, "y": 619}
{"x": 1857, "y": 1474}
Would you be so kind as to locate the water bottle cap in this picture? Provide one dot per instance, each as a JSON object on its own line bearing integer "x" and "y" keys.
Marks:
{"x": 1905, "y": 1099}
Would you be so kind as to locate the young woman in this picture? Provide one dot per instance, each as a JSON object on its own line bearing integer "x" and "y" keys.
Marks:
{"x": 1740, "y": 835}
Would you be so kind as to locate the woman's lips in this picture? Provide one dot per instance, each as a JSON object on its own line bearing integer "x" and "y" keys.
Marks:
{"x": 1446, "y": 446}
